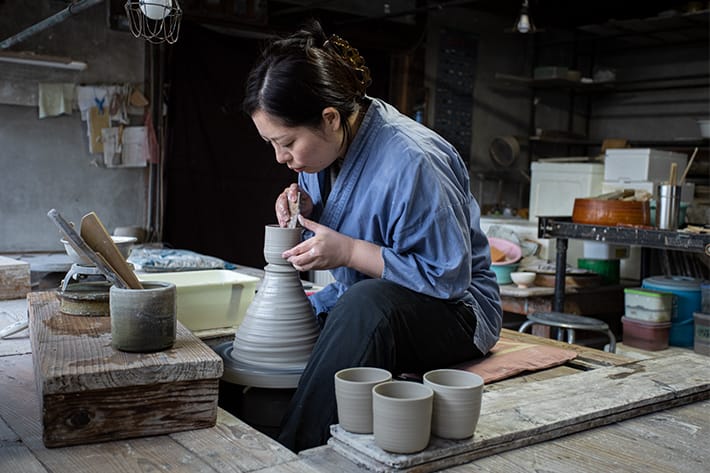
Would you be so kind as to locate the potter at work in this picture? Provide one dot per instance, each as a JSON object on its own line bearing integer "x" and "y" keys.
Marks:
{"x": 386, "y": 206}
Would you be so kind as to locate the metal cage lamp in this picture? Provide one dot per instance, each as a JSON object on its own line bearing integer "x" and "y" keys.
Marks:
{"x": 156, "y": 21}
{"x": 524, "y": 23}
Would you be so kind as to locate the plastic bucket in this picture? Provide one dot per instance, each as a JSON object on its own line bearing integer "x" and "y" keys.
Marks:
{"x": 687, "y": 301}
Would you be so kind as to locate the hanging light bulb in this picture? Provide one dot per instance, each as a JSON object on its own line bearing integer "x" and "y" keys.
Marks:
{"x": 155, "y": 9}
{"x": 524, "y": 23}
{"x": 156, "y": 21}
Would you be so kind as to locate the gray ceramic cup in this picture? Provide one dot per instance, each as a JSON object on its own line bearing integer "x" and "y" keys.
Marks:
{"x": 353, "y": 395}
{"x": 457, "y": 402}
{"x": 143, "y": 320}
{"x": 402, "y": 416}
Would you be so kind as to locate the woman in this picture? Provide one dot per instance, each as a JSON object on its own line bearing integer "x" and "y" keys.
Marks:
{"x": 388, "y": 208}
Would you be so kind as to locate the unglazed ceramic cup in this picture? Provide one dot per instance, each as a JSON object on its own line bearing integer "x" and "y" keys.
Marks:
{"x": 457, "y": 402}
{"x": 279, "y": 239}
{"x": 143, "y": 320}
{"x": 353, "y": 395}
{"x": 402, "y": 416}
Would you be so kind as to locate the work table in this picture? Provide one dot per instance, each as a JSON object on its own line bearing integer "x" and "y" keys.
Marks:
{"x": 674, "y": 439}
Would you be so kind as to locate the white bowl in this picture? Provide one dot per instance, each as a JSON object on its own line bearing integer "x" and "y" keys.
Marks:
{"x": 523, "y": 278}
{"x": 124, "y": 244}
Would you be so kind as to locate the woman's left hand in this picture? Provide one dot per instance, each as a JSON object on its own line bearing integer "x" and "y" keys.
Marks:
{"x": 327, "y": 249}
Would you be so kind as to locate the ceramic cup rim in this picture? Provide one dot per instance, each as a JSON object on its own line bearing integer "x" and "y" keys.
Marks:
{"x": 430, "y": 378}
{"x": 385, "y": 375}
{"x": 425, "y": 392}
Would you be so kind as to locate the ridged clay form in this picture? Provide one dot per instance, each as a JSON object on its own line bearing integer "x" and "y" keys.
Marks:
{"x": 279, "y": 327}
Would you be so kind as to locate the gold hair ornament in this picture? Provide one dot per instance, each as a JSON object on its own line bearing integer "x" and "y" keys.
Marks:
{"x": 352, "y": 56}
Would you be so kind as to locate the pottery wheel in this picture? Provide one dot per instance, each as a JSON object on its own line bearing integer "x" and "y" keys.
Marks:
{"x": 237, "y": 372}
{"x": 89, "y": 299}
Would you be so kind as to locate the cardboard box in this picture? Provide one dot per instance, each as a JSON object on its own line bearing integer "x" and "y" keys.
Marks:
{"x": 554, "y": 186}
{"x": 641, "y": 164}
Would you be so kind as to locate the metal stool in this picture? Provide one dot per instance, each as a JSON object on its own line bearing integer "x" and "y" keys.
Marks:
{"x": 570, "y": 323}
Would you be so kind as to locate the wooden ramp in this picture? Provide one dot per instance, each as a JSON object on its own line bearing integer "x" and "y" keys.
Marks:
{"x": 527, "y": 414}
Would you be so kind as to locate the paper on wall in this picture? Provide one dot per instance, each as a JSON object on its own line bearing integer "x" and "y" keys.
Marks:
{"x": 125, "y": 146}
{"x": 96, "y": 122}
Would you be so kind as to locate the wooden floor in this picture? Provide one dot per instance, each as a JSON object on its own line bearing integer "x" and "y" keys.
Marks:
{"x": 672, "y": 440}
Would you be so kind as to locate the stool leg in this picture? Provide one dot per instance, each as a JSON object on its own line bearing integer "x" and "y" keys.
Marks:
{"x": 570, "y": 336}
{"x": 525, "y": 325}
{"x": 612, "y": 341}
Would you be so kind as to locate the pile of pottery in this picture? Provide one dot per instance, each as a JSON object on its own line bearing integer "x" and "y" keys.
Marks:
{"x": 505, "y": 258}
{"x": 402, "y": 415}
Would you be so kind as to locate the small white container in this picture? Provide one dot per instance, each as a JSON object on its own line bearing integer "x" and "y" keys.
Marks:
{"x": 209, "y": 299}
{"x": 641, "y": 164}
{"x": 648, "y": 305}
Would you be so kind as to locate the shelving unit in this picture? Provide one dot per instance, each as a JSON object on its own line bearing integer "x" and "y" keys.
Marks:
{"x": 588, "y": 45}
{"x": 563, "y": 229}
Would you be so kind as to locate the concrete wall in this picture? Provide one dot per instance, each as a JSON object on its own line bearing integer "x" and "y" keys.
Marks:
{"x": 45, "y": 163}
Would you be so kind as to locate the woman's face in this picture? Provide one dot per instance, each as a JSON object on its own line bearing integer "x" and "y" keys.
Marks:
{"x": 302, "y": 149}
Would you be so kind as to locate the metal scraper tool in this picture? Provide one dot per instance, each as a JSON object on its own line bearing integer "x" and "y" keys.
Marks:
{"x": 294, "y": 209}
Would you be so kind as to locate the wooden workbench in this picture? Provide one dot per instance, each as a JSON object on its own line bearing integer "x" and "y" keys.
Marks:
{"x": 675, "y": 439}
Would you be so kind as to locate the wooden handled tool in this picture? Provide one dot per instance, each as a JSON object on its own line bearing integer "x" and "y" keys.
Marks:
{"x": 82, "y": 248}
{"x": 96, "y": 236}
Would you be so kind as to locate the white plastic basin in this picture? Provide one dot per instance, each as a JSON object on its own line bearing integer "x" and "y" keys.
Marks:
{"x": 209, "y": 299}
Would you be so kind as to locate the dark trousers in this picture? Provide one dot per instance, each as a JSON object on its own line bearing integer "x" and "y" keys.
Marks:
{"x": 375, "y": 323}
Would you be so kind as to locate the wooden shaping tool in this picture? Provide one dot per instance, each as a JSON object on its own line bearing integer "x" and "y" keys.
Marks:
{"x": 96, "y": 236}
{"x": 82, "y": 248}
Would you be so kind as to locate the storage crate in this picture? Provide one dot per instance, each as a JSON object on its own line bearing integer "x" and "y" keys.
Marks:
{"x": 648, "y": 305}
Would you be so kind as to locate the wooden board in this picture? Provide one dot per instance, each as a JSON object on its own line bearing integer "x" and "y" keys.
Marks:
{"x": 14, "y": 278}
{"x": 90, "y": 392}
{"x": 548, "y": 409}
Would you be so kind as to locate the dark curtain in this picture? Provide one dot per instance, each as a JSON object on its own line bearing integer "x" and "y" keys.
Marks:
{"x": 221, "y": 178}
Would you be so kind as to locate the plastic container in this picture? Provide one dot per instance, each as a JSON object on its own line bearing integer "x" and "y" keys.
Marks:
{"x": 702, "y": 333}
{"x": 705, "y": 296}
{"x": 650, "y": 336}
{"x": 687, "y": 296}
{"x": 608, "y": 269}
{"x": 640, "y": 164}
{"x": 648, "y": 305}
{"x": 209, "y": 299}
{"x": 554, "y": 186}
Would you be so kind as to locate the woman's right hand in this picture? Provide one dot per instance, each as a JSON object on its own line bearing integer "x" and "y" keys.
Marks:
{"x": 283, "y": 214}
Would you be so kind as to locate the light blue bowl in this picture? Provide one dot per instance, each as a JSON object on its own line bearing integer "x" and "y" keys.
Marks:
{"x": 503, "y": 271}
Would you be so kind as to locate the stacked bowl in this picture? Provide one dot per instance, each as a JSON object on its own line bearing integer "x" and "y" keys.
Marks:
{"x": 505, "y": 258}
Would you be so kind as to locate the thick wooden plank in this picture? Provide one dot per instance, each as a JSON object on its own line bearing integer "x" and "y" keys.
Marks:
{"x": 19, "y": 458}
{"x": 90, "y": 392}
{"x": 535, "y": 412}
{"x": 587, "y": 358}
{"x": 233, "y": 446}
{"x": 14, "y": 278}
{"x": 674, "y": 440}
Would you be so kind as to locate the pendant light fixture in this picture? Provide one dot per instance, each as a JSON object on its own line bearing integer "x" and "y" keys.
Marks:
{"x": 156, "y": 21}
{"x": 524, "y": 23}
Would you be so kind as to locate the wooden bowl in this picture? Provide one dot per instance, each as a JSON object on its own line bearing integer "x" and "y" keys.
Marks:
{"x": 611, "y": 212}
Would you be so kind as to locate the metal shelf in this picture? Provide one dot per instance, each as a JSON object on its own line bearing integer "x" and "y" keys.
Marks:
{"x": 562, "y": 229}
{"x": 558, "y": 227}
